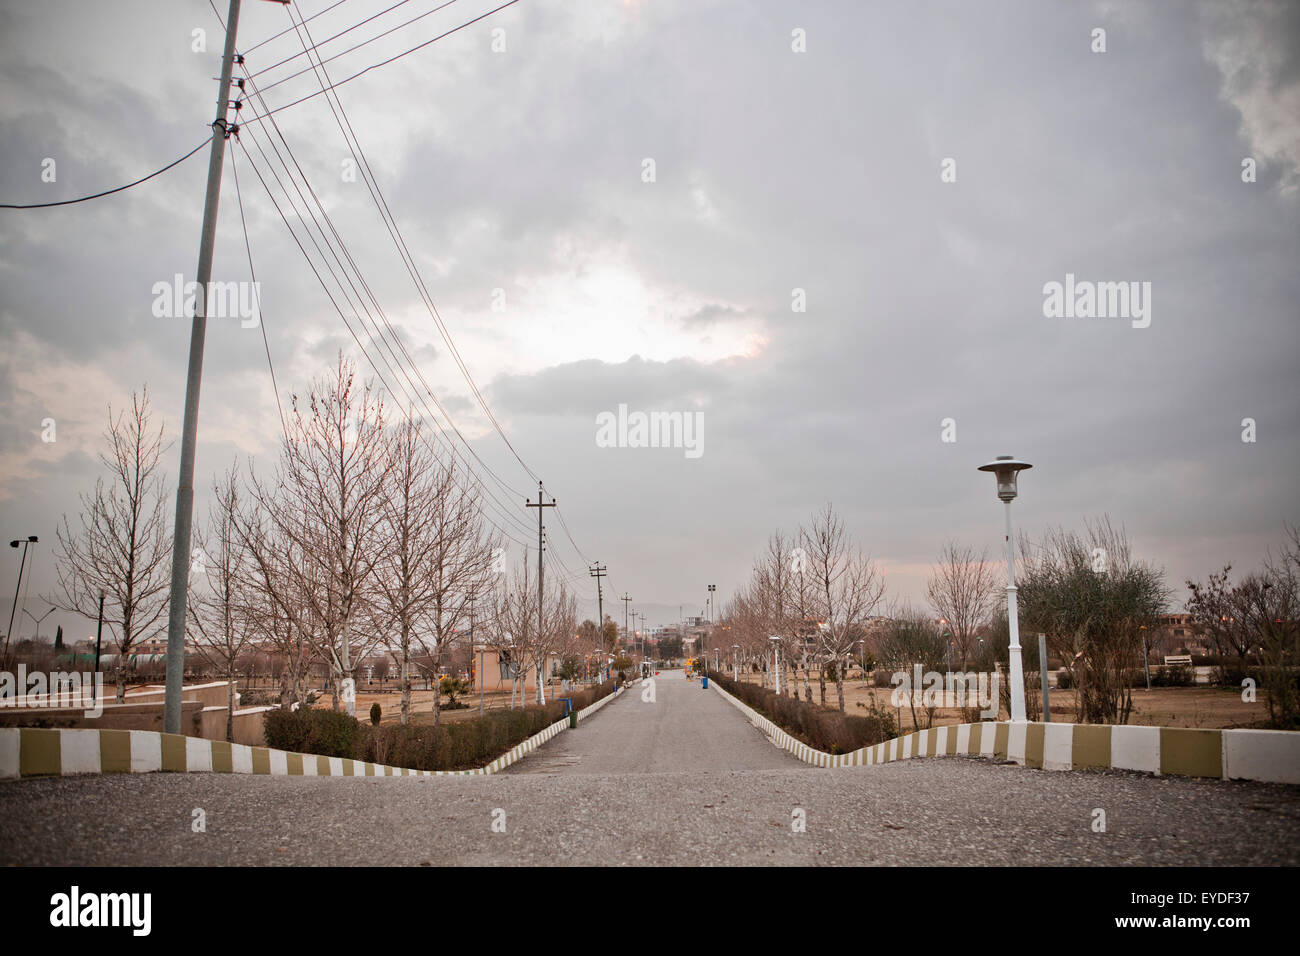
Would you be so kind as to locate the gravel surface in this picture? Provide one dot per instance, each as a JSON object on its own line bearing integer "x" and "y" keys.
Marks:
{"x": 685, "y": 780}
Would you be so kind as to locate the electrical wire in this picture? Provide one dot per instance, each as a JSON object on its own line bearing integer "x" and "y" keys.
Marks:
{"x": 107, "y": 192}
{"x": 261, "y": 317}
{"x": 302, "y": 99}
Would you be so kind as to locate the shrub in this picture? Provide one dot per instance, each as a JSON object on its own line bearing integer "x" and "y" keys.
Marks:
{"x": 459, "y": 745}
{"x": 376, "y": 713}
{"x": 827, "y": 730}
{"x": 325, "y": 732}
{"x": 453, "y": 687}
{"x": 1064, "y": 678}
{"x": 1173, "y": 675}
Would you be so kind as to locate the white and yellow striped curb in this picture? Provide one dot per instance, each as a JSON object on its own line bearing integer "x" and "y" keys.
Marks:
{"x": 592, "y": 708}
{"x": 1271, "y": 756}
{"x": 36, "y": 752}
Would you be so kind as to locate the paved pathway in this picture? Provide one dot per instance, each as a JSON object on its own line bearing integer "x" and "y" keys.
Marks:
{"x": 684, "y": 729}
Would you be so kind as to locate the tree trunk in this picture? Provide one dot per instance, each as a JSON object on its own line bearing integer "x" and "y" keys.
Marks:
{"x": 120, "y": 679}
{"x": 436, "y": 681}
{"x": 839, "y": 685}
{"x": 821, "y": 680}
{"x": 406, "y": 686}
{"x": 230, "y": 701}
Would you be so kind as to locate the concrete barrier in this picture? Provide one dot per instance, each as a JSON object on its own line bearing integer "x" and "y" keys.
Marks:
{"x": 43, "y": 752}
{"x": 1271, "y": 756}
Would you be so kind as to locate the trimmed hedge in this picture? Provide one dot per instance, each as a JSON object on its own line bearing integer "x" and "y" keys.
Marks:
{"x": 452, "y": 745}
{"x": 822, "y": 728}
{"x": 309, "y": 731}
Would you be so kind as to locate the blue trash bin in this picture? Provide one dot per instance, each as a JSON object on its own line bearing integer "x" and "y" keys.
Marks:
{"x": 705, "y": 682}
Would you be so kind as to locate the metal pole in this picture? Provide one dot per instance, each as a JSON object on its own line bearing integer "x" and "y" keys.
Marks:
{"x": 1013, "y": 625}
{"x": 21, "y": 564}
{"x": 1146, "y": 664}
{"x": 189, "y": 430}
{"x": 99, "y": 633}
{"x": 1042, "y": 676}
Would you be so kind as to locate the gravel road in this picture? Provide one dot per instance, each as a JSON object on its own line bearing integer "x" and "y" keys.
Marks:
{"x": 684, "y": 780}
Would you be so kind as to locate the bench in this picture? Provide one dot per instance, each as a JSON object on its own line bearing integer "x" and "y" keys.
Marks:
{"x": 1178, "y": 660}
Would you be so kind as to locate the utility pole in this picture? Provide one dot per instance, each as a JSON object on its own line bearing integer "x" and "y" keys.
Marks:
{"x": 539, "y": 504}
{"x": 597, "y": 571}
{"x": 221, "y": 129}
{"x": 625, "y": 599}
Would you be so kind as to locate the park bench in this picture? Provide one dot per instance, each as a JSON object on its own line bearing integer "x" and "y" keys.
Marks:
{"x": 1178, "y": 660}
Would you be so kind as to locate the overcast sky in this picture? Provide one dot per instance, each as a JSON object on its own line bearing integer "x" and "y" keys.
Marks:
{"x": 794, "y": 147}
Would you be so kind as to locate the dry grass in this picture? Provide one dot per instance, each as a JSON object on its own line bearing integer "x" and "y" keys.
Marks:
{"x": 1210, "y": 708}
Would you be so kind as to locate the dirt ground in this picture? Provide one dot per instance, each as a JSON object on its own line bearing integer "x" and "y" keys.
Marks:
{"x": 1209, "y": 708}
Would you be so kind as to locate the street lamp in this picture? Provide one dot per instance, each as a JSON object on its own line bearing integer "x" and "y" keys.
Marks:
{"x": 38, "y": 620}
{"x": 31, "y": 539}
{"x": 1005, "y": 469}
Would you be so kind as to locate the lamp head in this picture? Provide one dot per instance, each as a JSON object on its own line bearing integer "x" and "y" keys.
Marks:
{"x": 1005, "y": 468}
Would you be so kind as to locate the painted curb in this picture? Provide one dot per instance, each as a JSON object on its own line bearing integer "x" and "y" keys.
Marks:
{"x": 44, "y": 752}
{"x": 1267, "y": 756}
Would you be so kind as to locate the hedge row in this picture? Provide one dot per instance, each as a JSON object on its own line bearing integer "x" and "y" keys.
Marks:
{"x": 451, "y": 745}
{"x": 829, "y": 731}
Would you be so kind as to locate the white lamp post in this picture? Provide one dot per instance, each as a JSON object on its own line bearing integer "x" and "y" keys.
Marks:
{"x": 735, "y": 665}
{"x": 1005, "y": 468}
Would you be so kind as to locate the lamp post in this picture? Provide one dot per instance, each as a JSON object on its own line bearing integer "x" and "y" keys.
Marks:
{"x": 31, "y": 539}
{"x": 735, "y": 665}
{"x": 1005, "y": 469}
{"x": 776, "y": 663}
{"x": 38, "y": 620}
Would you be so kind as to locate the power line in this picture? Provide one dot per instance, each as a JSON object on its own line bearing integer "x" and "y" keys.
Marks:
{"x": 261, "y": 318}
{"x": 107, "y": 192}
{"x": 391, "y": 59}
{"x": 276, "y": 36}
{"x": 330, "y": 295}
{"x": 363, "y": 311}
{"x": 317, "y": 46}
{"x": 408, "y": 261}
{"x": 341, "y": 118}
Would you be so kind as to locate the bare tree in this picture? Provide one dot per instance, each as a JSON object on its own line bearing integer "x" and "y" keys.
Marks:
{"x": 963, "y": 590}
{"x": 910, "y": 639}
{"x": 326, "y": 510}
{"x": 279, "y": 608}
{"x": 123, "y": 547}
{"x": 513, "y": 618}
{"x": 221, "y": 595}
{"x": 405, "y": 576}
{"x": 847, "y": 587}
{"x": 1257, "y": 617}
{"x": 453, "y": 552}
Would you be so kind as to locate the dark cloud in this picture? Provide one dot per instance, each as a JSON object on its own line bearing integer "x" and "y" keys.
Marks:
{"x": 775, "y": 171}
